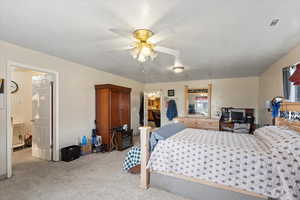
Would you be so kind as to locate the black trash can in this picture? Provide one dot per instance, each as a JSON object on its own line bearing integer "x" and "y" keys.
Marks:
{"x": 70, "y": 153}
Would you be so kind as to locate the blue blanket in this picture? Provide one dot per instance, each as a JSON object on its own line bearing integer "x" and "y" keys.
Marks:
{"x": 165, "y": 132}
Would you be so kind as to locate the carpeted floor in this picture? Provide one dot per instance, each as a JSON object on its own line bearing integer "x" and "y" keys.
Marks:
{"x": 92, "y": 177}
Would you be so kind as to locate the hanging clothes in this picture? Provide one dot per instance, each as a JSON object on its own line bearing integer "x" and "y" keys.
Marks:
{"x": 141, "y": 112}
{"x": 172, "y": 110}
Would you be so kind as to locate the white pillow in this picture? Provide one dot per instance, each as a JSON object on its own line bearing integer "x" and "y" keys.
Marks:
{"x": 280, "y": 138}
{"x": 271, "y": 135}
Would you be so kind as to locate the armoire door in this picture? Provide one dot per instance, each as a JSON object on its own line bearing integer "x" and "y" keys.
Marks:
{"x": 115, "y": 109}
{"x": 103, "y": 114}
{"x": 125, "y": 109}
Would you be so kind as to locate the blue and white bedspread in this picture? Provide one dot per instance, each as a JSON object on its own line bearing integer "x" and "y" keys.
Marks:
{"x": 132, "y": 159}
{"x": 253, "y": 163}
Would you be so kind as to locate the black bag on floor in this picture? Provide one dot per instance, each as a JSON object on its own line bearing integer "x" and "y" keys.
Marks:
{"x": 70, "y": 153}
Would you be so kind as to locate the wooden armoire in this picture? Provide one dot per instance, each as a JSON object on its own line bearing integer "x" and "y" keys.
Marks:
{"x": 112, "y": 110}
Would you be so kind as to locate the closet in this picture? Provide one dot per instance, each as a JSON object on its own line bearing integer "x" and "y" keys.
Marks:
{"x": 112, "y": 110}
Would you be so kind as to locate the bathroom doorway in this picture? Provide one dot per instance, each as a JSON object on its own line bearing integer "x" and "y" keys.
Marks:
{"x": 32, "y": 115}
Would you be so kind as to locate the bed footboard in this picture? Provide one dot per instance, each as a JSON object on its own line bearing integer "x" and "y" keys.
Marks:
{"x": 145, "y": 139}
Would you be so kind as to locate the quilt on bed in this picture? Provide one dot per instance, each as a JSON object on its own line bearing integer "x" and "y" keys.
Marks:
{"x": 239, "y": 160}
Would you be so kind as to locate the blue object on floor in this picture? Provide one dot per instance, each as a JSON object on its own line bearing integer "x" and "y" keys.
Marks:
{"x": 84, "y": 141}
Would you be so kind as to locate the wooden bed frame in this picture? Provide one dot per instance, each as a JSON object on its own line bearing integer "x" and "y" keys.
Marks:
{"x": 145, "y": 154}
{"x": 289, "y": 107}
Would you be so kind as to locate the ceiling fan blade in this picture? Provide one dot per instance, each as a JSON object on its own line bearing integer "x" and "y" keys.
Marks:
{"x": 114, "y": 44}
{"x": 125, "y": 47}
{"x": 122, "y": 32}
{"x": 116, "y": 48}
{"x": 160, "y": 36}
{"x": 177, "y": 61}
{"x": 167, "y": 50}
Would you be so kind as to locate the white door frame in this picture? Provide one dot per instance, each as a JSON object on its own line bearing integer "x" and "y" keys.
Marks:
{"x": 55, "y": 141}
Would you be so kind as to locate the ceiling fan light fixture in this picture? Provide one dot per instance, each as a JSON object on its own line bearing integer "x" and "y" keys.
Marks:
{"x": 146, "y": 50}
{"x": 178, "y": 69}
{"x": 143, "y": 34}
{"x": 141, "y": 58}
{"x": 143, "y": 49}
{"x": 153, "y": 55}
{"x": 135, "y": 52}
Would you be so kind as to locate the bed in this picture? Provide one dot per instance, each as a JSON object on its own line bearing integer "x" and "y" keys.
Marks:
{"x": 217, "y": 164}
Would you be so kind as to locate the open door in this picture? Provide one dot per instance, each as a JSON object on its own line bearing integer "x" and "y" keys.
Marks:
{"x": 42, "y": 117}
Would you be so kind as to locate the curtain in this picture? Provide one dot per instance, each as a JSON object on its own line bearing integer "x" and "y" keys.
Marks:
{"x": 286, "y": 84}
{"x": 298, "y": 93}
{"x": 290, "y": 91}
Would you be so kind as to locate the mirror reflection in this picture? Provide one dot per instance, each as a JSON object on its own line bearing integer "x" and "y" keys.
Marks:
{"x": 198, "y": 102}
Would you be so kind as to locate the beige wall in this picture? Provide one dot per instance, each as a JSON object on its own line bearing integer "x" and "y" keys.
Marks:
{"x": 235, "y": 92}
{"x": 76, "y": 90}
{"x": 270, "y": 84}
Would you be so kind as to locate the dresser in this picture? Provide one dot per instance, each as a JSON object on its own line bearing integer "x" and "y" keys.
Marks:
{"x": 112, "y": 110}
{"x": 200, "y": 123}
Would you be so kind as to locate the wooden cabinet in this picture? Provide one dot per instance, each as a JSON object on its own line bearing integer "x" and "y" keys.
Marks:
{"x": 112, "y": 110}
{"x": 200, "y": 123}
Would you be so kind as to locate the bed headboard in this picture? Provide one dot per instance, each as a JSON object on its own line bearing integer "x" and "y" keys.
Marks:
{"x": 289, "y": 115}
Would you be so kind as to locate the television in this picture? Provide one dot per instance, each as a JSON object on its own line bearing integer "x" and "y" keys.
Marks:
{"x": 237, "y": 116}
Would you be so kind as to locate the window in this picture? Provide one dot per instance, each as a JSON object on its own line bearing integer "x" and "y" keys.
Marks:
{"x": 290, "y": 91}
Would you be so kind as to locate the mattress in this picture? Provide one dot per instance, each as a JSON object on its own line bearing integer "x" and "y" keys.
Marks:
{"x": 239, "y": 160}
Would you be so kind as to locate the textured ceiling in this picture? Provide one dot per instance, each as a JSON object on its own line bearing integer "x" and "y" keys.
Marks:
{"x": 216, "y": 38}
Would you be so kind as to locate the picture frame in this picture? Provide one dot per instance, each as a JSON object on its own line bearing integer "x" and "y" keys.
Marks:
{"x": 171, "y": 93}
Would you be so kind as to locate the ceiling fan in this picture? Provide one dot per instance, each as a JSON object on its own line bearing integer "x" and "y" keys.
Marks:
{"x": 143, "y": 44}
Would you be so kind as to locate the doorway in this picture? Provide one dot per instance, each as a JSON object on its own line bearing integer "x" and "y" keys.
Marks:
{"x": 154, "y": 112}
{"x": 153, "y": 109}
{"x": 32, "y": 111}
